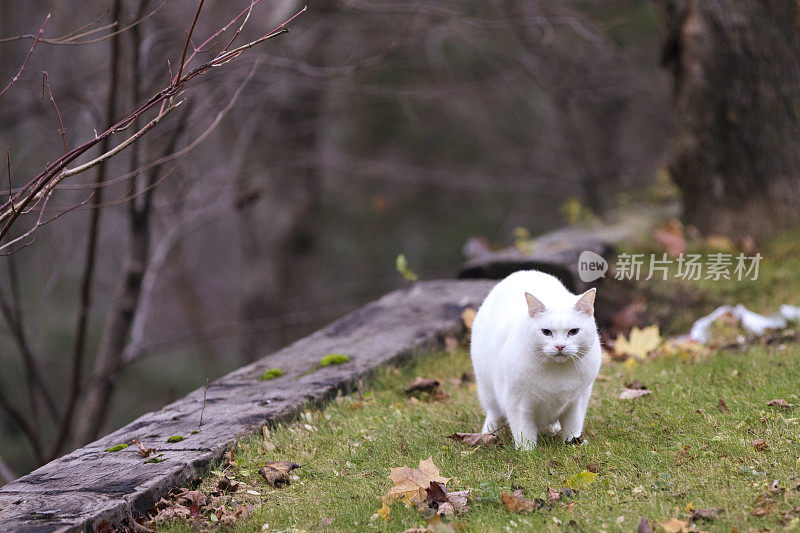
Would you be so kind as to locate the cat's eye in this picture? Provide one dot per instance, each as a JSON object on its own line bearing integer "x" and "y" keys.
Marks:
{"x": 573, "y": 331}
{"x": 547, "y": 332}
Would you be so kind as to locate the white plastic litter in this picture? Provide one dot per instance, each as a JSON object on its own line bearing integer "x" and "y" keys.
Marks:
{"x": 752, "y": 322}
{"x": 790, "y": 312}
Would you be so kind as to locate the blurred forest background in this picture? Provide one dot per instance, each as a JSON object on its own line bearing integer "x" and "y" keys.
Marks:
{"x": 372, "y": 128}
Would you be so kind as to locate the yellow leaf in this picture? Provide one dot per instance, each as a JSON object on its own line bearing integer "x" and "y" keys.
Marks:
{"x": 581, "y": 480}
{"x": 410, "y": 483}
{"x": 639, "y": 343}
{"x": 673, "y": 525}
{"x": 385, "y": 513}
{"x": 468, "y": 317}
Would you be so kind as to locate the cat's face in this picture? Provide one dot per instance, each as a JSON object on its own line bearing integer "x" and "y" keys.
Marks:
{"x": 562, "y": 333}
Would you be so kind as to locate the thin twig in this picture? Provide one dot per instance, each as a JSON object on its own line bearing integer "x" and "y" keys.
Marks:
{"x": 189, "y": 38}
{"x": 30, "y": 52}
{"x": 71, "y": 38}
{"x": 61, "y": 129}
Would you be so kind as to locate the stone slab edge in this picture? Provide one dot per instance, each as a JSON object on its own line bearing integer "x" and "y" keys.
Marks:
{"x": 89, "y": 486}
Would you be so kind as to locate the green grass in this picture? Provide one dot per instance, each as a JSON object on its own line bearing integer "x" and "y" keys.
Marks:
{"x": 675, "y": 304}
{"x": 656, "y": 455}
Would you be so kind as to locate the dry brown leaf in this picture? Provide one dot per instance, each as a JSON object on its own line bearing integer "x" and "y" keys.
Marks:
{"x": 710, "y": 513}
{"x": 229, "y": 458}
{"x": 226, "y": 484}
{"x": 188, "y": 497}
{"x": 630, "y": 394}
{"x": 474, "y": 439}
{"x": 635, "y": 385}
{"x": 468, "y": 317}
{"x": 760, "y": 445}
{"x": 277, "y": 472}
{"x": 673, "y": 525}
{"x": 143, "y": 450}
{"x": 517, "y": 503}
{"x": 779, "y": 403}
{"x": 446, "y": 503}
{"x": 722, "y": 406}
{"x": 553, "y": 495}
{"x": 411, "y": 484}
{"x": 421, "y": 384}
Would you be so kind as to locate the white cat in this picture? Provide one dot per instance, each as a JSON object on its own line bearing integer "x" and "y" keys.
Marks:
{"x": 536, "y": 354}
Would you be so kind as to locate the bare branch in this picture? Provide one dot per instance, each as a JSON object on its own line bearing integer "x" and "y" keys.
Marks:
{"x": 30, "y": 52}
{"x": 61, "y": 129}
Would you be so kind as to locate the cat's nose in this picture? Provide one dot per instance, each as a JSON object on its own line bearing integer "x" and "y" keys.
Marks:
{"x": 560, "y": 347}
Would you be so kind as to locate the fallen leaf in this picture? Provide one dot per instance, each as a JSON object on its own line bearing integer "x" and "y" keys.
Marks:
{"x": 760, "y": 445}
{"x": 226, "y": 484}
{"x": 385, "y": 513}
{"x": 781, "y": 404}
{"x": 630, "y": 394}
{"x": 710, "y": 513}
{"x": 592, "y": 468}
{"x": 411, "y": 484}
{"x": 422, "y": 385}
{"x": 553, "y": 495}
{"x": 673, "y": 525}
{"x": 192, "y": 497}
{"x": 644, "y": 526}
{"x": 581, "y": 480}
{"x": 517, "y": 503}
{"x": 722, "y": 406}
{"x": 229, "y": 457}
{"x": 144, "y": 451}
{"x": 474, "y": 439}
{"x": 639, "y": 343}
{"x": 468, "y": 317}
{"x": 635, "y": 385}
{"x": 172, "y": 512}
{"x": 277, "y": 472}
{"x": 446, "y": 503}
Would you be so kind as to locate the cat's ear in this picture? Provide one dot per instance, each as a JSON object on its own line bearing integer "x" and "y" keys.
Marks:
{"x": 534, "y": 305}
{"x": 585, "y": 303}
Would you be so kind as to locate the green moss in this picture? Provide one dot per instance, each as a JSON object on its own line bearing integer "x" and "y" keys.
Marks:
{"x": 157, "y": 459}
{"x": 195, "y": 432}
{"x": 175, "y": 438}
{"x": 272, "y": 373}
{"x": 117, "y": 448}
{"x": 333, "y": 359}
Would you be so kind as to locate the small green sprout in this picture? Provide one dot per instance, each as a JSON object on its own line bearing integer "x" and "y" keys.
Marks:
{"x": 117, "y": 448}
{"x": 401, "y": 264}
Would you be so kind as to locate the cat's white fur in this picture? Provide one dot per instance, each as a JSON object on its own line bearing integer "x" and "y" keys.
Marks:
{"x": 521, "y": 375}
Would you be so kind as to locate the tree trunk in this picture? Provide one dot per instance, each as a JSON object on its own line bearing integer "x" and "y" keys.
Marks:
{"x": 736, "y": 68}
